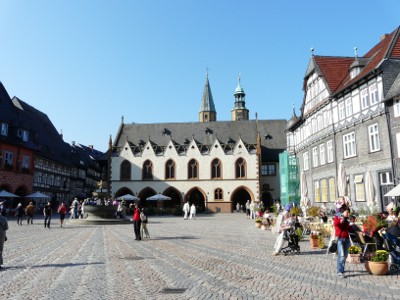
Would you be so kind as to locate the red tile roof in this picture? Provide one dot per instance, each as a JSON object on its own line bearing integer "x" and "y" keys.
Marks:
{"x": 336, "y": 70}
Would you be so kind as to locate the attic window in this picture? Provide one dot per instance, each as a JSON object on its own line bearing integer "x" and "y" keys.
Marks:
{"x": 208, "y": 131}
{"x": 268, "y": 137}
{"x": 216, "y": 146}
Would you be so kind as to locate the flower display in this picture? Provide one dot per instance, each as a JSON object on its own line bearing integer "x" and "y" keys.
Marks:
{"x": 354, "y": 249}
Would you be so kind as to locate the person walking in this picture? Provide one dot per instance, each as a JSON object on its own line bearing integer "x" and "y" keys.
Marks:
{"x": 144, "y": 232}
{"x": 248, "y": 209}
{"x": 47, "y": 212}
{"x": 3, "y": 236}
{"x": 30, "y": 212}
{"x": 62, "y": 210}
{"x": 193, "y": 212}
{"x": 137, "y": 222}
{"x": 75, "y": 207}
{"x": 186, "y": 209}
{"x": 342, "y": 227}
{"x": 19, "y": 213}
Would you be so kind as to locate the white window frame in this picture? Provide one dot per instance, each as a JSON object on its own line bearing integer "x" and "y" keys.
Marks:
{"x": 374, "y": 94}
{"x": 8, "y": 158}
{"x": 25, "y": 164}
{"x": 317, "y": 191}
{"x": 322, "y": 153}
{"x": 329, "y": 151}
{"x": 315, "y": 157}
{"x": 396, "y": 108}
{"x": 349, "y": 145}
{"x": 398, "y": 144}
{"x": 364, "y": 98}
{"x": 386, "y": 178}
{"x": 306, "y": 161}
{"x": 349, "y": 107}
{"x": 342, "y": 111}
{"x": 373, "y": 138}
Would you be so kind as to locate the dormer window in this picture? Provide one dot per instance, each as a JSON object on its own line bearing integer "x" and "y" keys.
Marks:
{"x": 354, "y": 72}
{"x": 23, "y": 134}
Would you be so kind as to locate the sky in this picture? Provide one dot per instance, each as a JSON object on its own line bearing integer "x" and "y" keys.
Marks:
{"x": 86, "y": 64}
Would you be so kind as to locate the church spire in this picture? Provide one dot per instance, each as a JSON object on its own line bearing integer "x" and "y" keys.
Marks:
{"x": 240, "y": 112}
{"x": 207, "y": 109}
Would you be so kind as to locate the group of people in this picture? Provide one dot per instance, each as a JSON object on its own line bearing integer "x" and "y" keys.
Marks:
{"x": 140, "y": 220}
{"x": 189, "y": 210}
{"x": 254, "y": 209}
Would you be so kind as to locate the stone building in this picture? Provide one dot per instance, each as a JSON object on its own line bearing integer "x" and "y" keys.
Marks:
{"x": 345, "y": 119}
{"x": 214, "y": 164}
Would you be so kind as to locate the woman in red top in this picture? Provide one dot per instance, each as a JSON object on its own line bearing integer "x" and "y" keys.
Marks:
{"x": 62, "y": 210}
{"x": 342, "y": 227}
{"x": 136, "y": 222}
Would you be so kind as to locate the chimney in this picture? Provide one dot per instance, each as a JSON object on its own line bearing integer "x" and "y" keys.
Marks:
{"x": 383, "y": 36}
{"x": 91, "y": 147}
{"x": 73, "y": 143}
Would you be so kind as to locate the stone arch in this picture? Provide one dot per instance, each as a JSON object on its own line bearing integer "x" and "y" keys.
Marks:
{"x": 176, "y": 198}
{"x": 197, "y": 196}
{"x": 240, "y": 195}
{"x": 146, "y": 193}
{"x": 123, "y": 191}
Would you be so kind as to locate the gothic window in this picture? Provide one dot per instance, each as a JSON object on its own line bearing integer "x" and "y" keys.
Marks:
{"x": 125, "y": 170}
{"x": 240, "y": 168}
{"x": 218, "y": 194}
{"x": 170, "y": 169}
{"x": 216, "y": 169}
{"x": 147, "y": 171}
{"x": 193, "y": 169}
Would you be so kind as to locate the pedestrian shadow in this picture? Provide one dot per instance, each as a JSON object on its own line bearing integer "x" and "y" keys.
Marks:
{"x": 66, "y": 265}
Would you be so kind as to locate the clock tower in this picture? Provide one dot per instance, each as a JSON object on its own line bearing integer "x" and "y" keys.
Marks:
{"x": 240, "y": 112}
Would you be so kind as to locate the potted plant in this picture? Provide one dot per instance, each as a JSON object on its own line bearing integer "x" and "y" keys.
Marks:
{"x": 314, "y": 239}
{"x": 376, "y": 263}
{"x": 296, "y": 211}
{"x": 312, "y": 211}
{"x": 258, "y": 222}
{"x": 373, "y": 223}
{"x": 354, "y": 254}
{"x": 321, "y": 242}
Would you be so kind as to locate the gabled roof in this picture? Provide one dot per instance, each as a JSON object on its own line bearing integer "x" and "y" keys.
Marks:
{"x": 336, "y": 70}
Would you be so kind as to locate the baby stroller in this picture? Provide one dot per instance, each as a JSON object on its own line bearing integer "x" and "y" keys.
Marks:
{"x": 393, "y": 247}
{"x": 293, "y": 242}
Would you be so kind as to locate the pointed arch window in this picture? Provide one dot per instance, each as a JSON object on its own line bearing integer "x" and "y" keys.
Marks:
{"x": 170, "y": 169}
{"x": 147, "y": 171}
{"x": 218, "y": 194}
{"x": 193, "y": 169}
{"x": 240, "y": 168}
{"x": 125, "y": 170}
{"x": 216, "y": 169}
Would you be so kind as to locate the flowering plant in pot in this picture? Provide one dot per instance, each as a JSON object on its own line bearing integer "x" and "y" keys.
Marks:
{"x": 376, "y": 263}
{"x": 354, "y": 249}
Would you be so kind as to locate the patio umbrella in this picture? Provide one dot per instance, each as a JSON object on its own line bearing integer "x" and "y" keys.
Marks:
{"x": 393, "y": 192}
{"x": 369, "y": 190}
{"x": 305, "y": 201}
{"x": 128, "y": 197}
{"x": 158, "y": 197}
{"x": 38, "y": 195}
{"x": 342, "y": 180}
{"x": 5, "y": 194}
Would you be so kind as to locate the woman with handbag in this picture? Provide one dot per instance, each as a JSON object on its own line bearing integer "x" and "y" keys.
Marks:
{"x": 3, "y": 237}
{"x": 342, "y": 227}
{"x": 137, "y": 222}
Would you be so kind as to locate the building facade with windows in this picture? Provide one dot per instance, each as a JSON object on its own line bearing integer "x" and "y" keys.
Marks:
{"x": 345, "y": 119}
{"x": 213, "y": 164}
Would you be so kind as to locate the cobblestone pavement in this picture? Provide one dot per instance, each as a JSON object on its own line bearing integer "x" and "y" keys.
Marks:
{"x": 219, "y": 256}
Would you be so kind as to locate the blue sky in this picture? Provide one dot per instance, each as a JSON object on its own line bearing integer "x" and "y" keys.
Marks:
{"x": 88, "y": 63}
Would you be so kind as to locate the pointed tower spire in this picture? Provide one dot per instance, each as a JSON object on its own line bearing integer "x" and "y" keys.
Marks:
{"x": 207, "y": 109}
{"x": 239, "y": 112}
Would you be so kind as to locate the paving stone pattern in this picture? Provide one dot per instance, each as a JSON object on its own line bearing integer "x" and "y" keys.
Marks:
{"x": 220, "y": 256}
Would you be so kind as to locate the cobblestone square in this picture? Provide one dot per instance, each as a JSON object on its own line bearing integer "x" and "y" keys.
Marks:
{"x": 221, "y": 256}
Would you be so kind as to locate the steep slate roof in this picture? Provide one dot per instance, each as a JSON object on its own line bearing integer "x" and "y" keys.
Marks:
{"x": 227, "y": 132}
{"x": 207, "y": 102}
{"x": 42, "y": 133}
{"x": 7, "y": 111}
{"x": 395, "y": 89}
